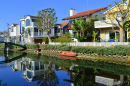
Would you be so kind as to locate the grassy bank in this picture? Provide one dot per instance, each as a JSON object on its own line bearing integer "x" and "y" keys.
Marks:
{"x": 116, "y": 51}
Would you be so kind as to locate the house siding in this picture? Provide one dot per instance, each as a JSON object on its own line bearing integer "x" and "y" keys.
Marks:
{"x": 102, "y": 33}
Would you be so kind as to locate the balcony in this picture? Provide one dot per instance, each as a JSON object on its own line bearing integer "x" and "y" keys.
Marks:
{"x": 105, "y": 23}
{"x": 58, "y": 34}
{"x": 39, "y": 34}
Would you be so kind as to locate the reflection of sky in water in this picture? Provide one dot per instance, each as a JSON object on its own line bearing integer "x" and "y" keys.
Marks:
{"x": 16, "y": 79}
{"x": 2, "y": 59}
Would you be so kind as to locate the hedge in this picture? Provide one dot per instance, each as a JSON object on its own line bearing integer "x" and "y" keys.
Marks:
{"x": 32, "y": 46}
{"x": 117, "y": 50}
{"x": 2, "y": 45}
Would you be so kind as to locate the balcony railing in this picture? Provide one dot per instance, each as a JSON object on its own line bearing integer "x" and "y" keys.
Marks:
{"x": 38, "y": 34}
{"x": 105, "y": 23}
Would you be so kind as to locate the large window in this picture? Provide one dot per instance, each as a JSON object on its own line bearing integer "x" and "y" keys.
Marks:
{"x": 27, "y": 22}
{"x": 118, "y": 16}
{"x": 12, "y": 29}
{"x": 57, "y": 30}
{"x": 33, "y": 20}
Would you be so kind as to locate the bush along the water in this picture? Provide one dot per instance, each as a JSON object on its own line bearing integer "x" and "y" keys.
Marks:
{"x": 65, "y": 48}
{"x": 2, "y": 45}
{"x": 32, "y": 46}
{"x": 117, "y": 50}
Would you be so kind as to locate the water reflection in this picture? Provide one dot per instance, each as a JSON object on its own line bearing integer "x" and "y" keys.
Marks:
{"x": 43, "y": 70}
{"x": 2, "y": 84}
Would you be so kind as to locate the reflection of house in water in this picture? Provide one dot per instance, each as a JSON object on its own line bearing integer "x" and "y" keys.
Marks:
{"x": 30, "y": 68}
{"x": 107, "y": 78}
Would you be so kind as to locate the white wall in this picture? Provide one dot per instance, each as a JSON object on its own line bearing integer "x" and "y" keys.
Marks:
{"x": 14, "y": 31}
{"x": 73, "y": 12}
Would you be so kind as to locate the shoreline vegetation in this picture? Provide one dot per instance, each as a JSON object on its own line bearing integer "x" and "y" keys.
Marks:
{"x": 116, "y": 68}
{"x": 117, "y": 54}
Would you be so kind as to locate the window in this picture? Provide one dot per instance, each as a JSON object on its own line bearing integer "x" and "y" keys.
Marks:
{"x": 33, "y": 20}
{"x": 12, "y": 29}
{"x": 22, "y": 22}
{"x": 118, "y": 16}
{"x": 27, "y": 22}
{"x": 50, "y": 31}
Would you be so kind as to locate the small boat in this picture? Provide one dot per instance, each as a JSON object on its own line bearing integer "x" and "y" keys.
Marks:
{"x": 67, "y": 53}
{"x": 68, "y": 57}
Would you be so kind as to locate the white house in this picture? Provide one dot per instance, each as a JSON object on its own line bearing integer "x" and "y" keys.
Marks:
{"x": 3, "y": 35}
{"x": 30, "y": 33}
{"x": 14, "y": 32}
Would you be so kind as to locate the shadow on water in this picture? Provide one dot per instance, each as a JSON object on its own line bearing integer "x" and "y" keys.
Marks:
{"x": 82, "y": 72}
{"x": 2, "y": 84}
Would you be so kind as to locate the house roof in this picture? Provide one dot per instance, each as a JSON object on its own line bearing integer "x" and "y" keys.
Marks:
{"x": 13, "y": 24}
{"x": 85, "y": 13}
{"x": 62, "y": 24}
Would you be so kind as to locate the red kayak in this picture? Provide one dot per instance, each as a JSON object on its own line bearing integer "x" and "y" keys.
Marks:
{"x": 68, "y": 57}
{"x": 67, "y": 53}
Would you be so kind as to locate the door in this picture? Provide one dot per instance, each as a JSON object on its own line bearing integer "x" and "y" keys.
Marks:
{"x": 36, "y": 41}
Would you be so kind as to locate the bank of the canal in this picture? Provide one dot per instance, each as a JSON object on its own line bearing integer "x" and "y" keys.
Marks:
{"x": 117, "y": 54}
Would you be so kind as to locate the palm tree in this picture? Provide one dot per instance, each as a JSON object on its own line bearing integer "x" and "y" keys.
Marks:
{"x": 94, "y": 34}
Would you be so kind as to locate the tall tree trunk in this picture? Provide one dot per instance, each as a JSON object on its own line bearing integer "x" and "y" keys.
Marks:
{"x": 121, "y": 35}
{"x": 121, "y": 29}
{"x": 49, "y": 38}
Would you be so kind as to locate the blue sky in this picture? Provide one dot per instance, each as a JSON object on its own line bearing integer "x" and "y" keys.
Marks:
{"x": 12, "y": 10}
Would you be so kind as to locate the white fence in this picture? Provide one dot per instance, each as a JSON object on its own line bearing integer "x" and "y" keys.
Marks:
{"x": 105, "y": 44}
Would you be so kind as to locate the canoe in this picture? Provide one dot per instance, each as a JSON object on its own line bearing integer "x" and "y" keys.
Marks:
{"x": 67, "y": 53}
{"x": 68, "y": 57}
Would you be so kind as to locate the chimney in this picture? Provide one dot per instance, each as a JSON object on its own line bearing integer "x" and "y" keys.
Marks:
{"x": 73, "y": 12}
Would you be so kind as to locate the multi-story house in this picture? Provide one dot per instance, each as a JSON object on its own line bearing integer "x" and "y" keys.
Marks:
{"x": 3, "y": 35}
{"x": 109, "y": 30}
{"x": 84, "y": 15}
{"x": 30, "y": 33}
{"x": 14, "y": 32}
{"x": 30, "y": 68}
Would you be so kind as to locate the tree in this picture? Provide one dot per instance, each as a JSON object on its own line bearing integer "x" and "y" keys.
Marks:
{"x": 47, "y": 77}
{"x": 119, "y": 16}
{"x": 46, "y": 20}
{"x": 79, "y": 26}
{"x": 85, "y": 27}
{"x": 94, "y": 34}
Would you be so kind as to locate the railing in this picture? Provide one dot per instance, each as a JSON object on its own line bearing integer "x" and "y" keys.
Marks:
{"x": 37, "y": 33}
{"x": 105, "y": 23}
{"x": 58, "y": 34}
{"x": 105, "y": 44}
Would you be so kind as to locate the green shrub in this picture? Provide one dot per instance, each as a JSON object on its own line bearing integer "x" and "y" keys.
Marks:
{"x": 45, "y": 39}
{"x": 122, "y": 50}
{"x": 32, "y": 46}
{"x": 2, "y": 45}
{"x": 65, "y": 48}
{"x": 43, "y": 47}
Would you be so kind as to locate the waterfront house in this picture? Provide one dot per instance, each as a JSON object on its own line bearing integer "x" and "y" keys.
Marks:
{"x": 85, "y": 15}
{"x": 30, "y": 33}
{"x": 3, "y": 35}
{"x": 61, "y": 28}
{"x": 14, "y": 32}
{"x": 105, "y": 26}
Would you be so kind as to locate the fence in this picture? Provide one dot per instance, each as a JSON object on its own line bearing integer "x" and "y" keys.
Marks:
{"x": 105, "y": 44}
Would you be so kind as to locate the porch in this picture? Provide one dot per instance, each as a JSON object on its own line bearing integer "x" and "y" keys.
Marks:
{"x": 109, "y": 34}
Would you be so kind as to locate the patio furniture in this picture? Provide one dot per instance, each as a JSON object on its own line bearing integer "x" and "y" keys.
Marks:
{"x": 111, "y": 40}
{"x": 103, "y": 40}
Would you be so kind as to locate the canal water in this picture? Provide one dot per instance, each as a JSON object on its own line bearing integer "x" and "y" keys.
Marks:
{"x": 22, "y": 69}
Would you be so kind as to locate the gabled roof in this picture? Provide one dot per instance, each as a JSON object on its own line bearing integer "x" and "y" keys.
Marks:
{"x": 13, "y": 24}
{"x": 85, "y": 13}
{"x": 62, "y": 24}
